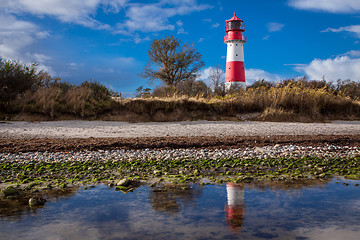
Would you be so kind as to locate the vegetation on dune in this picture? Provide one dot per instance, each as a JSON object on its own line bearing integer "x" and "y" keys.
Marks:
{"x": 289, "y": 100}
{"x": 17, "y": 78}
{"x": 25, "y": 91}
{"x": 86, "y": 100}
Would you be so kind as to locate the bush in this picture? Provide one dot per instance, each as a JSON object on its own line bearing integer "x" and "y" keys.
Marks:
{"x": 349, "y": 88}
{"x": 88, "y": 99}
{"x": 16, "y": 78}
{"x": 187, "y": 88}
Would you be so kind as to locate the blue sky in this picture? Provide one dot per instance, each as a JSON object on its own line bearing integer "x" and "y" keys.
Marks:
{"x": 108, "y": 40}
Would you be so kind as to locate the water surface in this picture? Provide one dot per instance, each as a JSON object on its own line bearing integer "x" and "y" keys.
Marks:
{"x": 310, "y": 210}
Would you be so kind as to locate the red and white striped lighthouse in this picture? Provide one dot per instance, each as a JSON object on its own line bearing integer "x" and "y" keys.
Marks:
{"x": 235, "y": 70}
{"x": 235, "y": 208}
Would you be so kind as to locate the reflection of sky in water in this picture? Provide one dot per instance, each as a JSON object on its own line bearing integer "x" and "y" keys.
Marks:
{"x": 328, "y": 211}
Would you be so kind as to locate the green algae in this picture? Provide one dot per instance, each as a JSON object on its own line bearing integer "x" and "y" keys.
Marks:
{"x": 177, "y": 170}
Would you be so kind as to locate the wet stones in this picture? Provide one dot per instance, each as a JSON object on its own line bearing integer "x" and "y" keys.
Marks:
{"x": 9, "y": 192}
{"x": 63, "y": 169}
{"x": 266, "y": 152}
{"x": 123, "y": 182}
{"x": 36, "y": 201}
{"x": 126, "y": 184}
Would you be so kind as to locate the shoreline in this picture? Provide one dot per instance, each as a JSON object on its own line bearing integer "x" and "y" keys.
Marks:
{"x": 35, "y": 163}
{"x": 43, "y": 170}
{"x": 16, "y": 145}
{"x": 106, "y": 129}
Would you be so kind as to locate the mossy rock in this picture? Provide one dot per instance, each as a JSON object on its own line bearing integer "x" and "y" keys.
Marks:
{"x": 9, "y": 192}
{"x": 121, "y": 188}
{"x": 36, "y": 201}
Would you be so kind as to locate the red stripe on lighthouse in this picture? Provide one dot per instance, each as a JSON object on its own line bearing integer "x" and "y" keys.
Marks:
{"x": 235, "y": 72}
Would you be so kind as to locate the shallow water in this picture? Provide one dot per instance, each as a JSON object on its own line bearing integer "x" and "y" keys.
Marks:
{"x": 305, "y": 210}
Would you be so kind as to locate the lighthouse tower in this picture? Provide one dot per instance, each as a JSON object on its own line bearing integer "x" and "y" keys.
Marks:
{"x": 235, "y": 70}
{"x": 235, "y": 206}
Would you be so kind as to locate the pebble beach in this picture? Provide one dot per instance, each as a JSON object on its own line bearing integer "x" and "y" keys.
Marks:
{"x": 63, "y": 152}
{"x": 277, "y": 151}
{"x": 99, "y": 129}
{"x": 96, "y": 129}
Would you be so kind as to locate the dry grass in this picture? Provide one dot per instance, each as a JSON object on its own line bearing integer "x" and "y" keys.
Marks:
{"x": 291, "y": 101}
{"x": 286, "y": 103}
{"x": 57, "y": 100}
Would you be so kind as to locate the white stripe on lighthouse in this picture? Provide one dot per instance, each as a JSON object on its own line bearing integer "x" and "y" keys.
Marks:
{"x": 235, "y": 51}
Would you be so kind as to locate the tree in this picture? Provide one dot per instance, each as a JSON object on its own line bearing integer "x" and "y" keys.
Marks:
{"x": 192, "y": 88}
{"x": 217, "y": 78}
{"x": 171, "y": 62}
{"x": 216, "y": 75}
{"x": 262, "y": 83}
{"x": 142, "y": 92}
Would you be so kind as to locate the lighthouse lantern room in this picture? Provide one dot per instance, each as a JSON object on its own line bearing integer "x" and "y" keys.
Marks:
{"x": 235, "y": 70}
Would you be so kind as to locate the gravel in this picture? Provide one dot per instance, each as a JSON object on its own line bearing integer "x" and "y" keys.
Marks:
{"x": 283, "y": 151}
{"x": 97, "y": 129}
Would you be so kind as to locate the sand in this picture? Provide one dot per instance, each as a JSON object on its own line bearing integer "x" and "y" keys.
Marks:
{"x": 101, "y": 129}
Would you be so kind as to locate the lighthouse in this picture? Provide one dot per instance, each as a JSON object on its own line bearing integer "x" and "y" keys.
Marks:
{"x": 234, "y": 39}
{"x": 235, "y": 206}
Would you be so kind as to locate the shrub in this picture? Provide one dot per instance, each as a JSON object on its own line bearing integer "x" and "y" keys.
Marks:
{"x": 88, "y": 99}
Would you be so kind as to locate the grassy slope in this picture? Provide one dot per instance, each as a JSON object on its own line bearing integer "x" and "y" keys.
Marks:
{"x": 287, "y": 102}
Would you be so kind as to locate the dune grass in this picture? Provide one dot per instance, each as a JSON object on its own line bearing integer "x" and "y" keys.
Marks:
{"x": 290, "y": 100}
{"x": 284, "y": 103}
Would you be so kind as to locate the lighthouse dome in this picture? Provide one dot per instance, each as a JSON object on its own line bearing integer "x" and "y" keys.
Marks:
{"x": 234, "y": 23}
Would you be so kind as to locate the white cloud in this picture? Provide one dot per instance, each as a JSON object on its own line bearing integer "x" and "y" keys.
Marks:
{"x": 41, "y": 58}
{"x": 125, "y": 62}
{"x": 15, "y": 38}
{"x": 154, "y": 17}
{"x": 139, "y": 17}
{"x": 181, "y": 29}
{"x": 179, "y": 23}
{"x": 215, "y": 25}
{"x": 114, "y": 5}
{"x": 205, "y": 74}
{"x": 15, "y": 35}
{"x": 253, "y": 74}
{"x": 74, "y": 65}
{"x": 138, "y": 39}
{"x": 274, "y": 27}
{"x": 134, "y": 38}
{"x": 42, "y": 35}
{"x": 333, "y": 6}
{"x": 353, "y": 29}
{"x": 69, "y": 11}
{"x": 353, "y": 53}
{"x": 329, "y": 232}
{"x": 341, "y": 67}
{"x": 207, "y": 20}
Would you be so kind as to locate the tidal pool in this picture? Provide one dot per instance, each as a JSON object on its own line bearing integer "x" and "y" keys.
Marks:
{"x": 301, "y": 210}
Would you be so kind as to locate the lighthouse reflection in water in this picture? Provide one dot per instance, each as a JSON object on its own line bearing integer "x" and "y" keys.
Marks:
{"x": 235, "y": 208}
{"x": 170, "y": 199}
{"x": 308, "y": 209}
